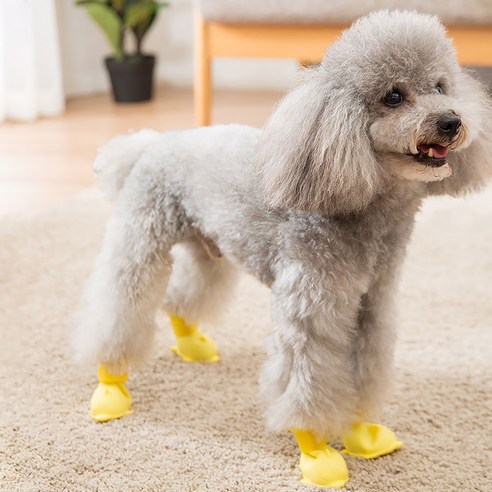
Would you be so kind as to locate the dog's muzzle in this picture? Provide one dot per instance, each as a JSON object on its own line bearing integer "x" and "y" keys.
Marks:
{"x": 442, "y": 133}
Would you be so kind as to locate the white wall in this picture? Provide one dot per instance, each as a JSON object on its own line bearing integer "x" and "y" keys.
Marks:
{"x": 83, "y": 47}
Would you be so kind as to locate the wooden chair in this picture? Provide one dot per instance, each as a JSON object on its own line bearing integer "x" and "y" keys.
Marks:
{"x": 219, "y": 35}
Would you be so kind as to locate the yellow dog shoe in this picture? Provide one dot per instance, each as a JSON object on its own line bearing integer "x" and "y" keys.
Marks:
{"x": 191, "y": 344}
{"x": 324, "y": 467}
{"x": 196, "y": 348}
{"x": 370, "y": 441}
{"x": 110, "y": 400}
{"x": 320, "y": 464}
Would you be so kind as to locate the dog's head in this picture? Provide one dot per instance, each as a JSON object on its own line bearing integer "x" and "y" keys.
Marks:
{"x": 389, "y": 101}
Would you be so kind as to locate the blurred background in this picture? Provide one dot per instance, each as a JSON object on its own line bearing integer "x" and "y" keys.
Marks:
{"x": 172, "y": 66}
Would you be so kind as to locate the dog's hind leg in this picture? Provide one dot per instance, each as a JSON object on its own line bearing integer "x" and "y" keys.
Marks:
{"x": 117, "y": 321}
{"x": 373, "y": 355}
{"x": 201, "y": 282}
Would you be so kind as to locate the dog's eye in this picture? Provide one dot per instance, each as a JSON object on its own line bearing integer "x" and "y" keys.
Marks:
{"x": 393, "y": 98}
{"x": 439, "y": 88}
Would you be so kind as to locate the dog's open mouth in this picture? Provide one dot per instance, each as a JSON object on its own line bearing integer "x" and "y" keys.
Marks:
{"x": 433, "y": 155}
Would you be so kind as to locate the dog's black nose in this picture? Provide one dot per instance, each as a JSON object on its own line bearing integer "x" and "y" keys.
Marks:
{"x": 449, "y": 124}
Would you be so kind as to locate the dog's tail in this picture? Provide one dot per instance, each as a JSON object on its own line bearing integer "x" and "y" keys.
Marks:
{"x": 116, "y": 159}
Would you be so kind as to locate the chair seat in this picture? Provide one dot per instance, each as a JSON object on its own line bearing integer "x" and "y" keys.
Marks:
{"x": 456, "y": 12}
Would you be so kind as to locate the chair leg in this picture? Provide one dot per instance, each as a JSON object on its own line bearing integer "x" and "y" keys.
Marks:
{"x": 202, "y": 77}
{"x": 307, "y": 63}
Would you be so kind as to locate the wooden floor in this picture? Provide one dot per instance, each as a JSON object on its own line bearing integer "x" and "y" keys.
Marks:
{"x": 43, "y": 163}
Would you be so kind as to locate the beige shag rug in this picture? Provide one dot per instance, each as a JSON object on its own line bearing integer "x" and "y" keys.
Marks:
{"x": 201, "y": 428}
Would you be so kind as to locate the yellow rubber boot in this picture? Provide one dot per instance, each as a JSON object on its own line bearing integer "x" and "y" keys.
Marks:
{"x": 191, "y": 344}
{"x": 370, "y": 441}
{"x": 111, "y": 400}
{"x": 320, "y": 464}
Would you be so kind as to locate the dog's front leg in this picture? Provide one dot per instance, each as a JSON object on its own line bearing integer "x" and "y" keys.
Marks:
{"x": 373, "y": 355}
{"x": 308, "y": 379}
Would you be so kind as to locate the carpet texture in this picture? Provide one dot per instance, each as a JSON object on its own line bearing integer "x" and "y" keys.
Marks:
{"x": 201, "y": 428}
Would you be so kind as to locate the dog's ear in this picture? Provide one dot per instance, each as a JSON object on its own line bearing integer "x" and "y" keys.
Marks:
{"x": 471, "y": 167}
{"x": 315, "y": 153}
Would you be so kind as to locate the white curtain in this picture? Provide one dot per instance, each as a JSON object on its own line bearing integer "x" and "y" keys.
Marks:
{"x": 30, "y": 68}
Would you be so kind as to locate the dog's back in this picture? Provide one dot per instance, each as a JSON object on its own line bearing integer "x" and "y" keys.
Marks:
{"x": 215, "y": 156}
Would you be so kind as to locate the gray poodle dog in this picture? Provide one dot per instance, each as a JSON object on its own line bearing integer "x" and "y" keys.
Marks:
{"x": 319, "y": 206}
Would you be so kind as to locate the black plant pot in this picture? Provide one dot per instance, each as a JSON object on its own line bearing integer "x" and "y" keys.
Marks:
{"x": 131, "y": 79}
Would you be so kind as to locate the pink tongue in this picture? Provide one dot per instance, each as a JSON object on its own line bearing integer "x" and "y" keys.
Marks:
{"x": 439, "y": 151}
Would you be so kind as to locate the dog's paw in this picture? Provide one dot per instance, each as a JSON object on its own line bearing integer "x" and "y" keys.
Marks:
{"x": 197, "y": 347}
{"x": 111, "y": 399}
{"x": 191, "y": 344}
{"x": 320, "y": 464}
{"x": 324, "y": 467}
{"x": 370, "y": 441}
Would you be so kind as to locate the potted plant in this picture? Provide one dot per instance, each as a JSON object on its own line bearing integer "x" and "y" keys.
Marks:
{"x": 131, "y": 74}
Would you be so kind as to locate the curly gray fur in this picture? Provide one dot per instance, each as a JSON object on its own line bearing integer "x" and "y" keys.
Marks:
{"x": 319, "y": 205}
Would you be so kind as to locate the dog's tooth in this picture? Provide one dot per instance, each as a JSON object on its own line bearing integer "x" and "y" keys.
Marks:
{"x": 431, "y": 152}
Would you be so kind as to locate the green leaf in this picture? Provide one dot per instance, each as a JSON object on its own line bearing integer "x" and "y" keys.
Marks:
{"x": 110, "y": 24}
{"x": 141, "y": 29}
{"x": 117, "y": 5}
{"x": 138, "y": 14}
{"x": 84, "y": 2}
